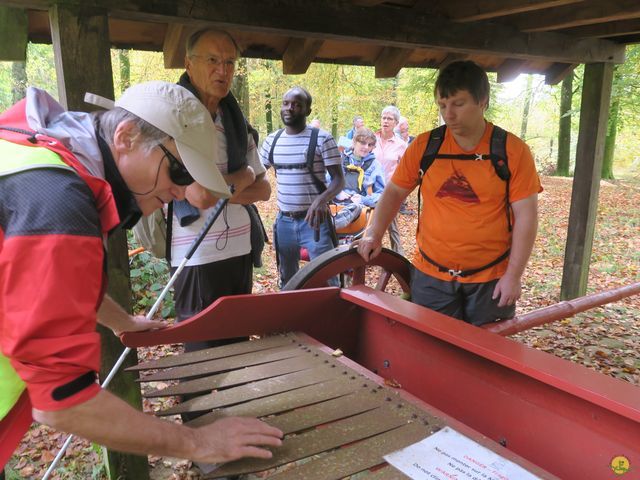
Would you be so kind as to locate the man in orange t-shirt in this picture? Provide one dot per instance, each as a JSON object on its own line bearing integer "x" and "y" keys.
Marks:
{"x": 472, "y": 247}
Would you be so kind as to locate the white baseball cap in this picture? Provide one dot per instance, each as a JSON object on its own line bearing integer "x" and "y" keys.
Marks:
{"x": 177, "y": 112}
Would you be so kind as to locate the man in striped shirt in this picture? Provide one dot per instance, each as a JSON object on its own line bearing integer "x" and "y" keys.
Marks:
{"x": 303, "y": 195}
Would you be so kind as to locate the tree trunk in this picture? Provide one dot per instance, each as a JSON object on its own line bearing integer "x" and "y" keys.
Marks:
{"x": 334, "y": 103}
{"x": 564, "y": 131}
{"x": 19, "y": 80}
{"x": 125, "y": 70}
{"x": 240, "y": 86}
{"x": 527, "y": 104}
{"x": 268, "y": 110}
{"x": 610, "y": 141}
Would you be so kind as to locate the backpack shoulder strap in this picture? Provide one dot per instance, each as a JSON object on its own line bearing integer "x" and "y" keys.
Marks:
{"x": 498, "y": 146}
{"x": 273, "y": 145}
{"x": 311, "y": 152}
{"x": 436, "y": 137}
{"x": 311, "y": 157}
{"x": 367, "y": 164}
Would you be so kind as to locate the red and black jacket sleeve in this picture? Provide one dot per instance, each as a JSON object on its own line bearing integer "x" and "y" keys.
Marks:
{"x": 51, "y": 284}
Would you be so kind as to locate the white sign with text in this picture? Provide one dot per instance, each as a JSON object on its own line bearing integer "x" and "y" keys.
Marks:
{"x": 449, "y": 455}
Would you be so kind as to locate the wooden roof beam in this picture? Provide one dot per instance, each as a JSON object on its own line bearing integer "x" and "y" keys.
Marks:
{"x": 367, "y": 3}
{"x": 391, "y": 60}
{"x": 605, "y": 30}
{"x": 465, "y": 11}
{"x": 510, "y": 69}
{"x": 418, "y": 30}
{"x": 299, "y": 54}
{"x": 14, "y": 31}
{"x": 450, "y": 58}
{"x": 591, "y": 12}
{"x": 173, "y": 49}
{"x": 557, "y": 72}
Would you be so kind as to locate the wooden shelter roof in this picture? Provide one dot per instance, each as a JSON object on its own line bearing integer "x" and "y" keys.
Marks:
{"x": 548, "y": 37}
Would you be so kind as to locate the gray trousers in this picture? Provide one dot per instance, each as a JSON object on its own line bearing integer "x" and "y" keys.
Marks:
{"x": 394, "y": 236}
{"x": 470, "y": 302}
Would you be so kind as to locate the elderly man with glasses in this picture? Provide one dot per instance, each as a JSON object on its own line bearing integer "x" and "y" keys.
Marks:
{"x": 67, "y": 180}
{"x": 223, "y": 264}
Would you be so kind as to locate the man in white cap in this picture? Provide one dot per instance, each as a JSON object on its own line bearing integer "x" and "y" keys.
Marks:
{"x": 67, "y": 179}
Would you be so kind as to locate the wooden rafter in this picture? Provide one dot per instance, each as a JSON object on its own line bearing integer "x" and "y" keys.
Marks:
{"x": 391, "y": 60}
{"x": 465, "y": 11}
{"x": 368, "y": 3}
{"x": 173, "y": 46}
{"x": 299, "y": 54}
{"x": 510, "y": 69}
{"x": 557, "y": 72}
{"x": 591, "y": 12}
{"x": 450, "y": 58}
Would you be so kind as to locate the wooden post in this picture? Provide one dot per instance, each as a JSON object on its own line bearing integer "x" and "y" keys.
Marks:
{"x": 14, "y": 26}
{"x": 596, "y": 94}
{"x": 83, "y": 64}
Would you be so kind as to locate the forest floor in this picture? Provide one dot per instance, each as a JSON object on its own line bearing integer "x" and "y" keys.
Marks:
{"x": 606, "y": 339}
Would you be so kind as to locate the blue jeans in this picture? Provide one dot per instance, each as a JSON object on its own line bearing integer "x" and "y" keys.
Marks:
{"x": 291, "y": 234}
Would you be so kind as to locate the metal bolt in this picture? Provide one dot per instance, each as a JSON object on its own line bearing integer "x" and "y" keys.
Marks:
{"x": 386, "y": 364}
{"x": 503, "y": 442}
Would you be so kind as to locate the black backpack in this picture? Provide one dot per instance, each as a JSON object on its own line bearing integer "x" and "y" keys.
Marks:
{"x": 499, "y": 160}
{"x": 311, "y": 155}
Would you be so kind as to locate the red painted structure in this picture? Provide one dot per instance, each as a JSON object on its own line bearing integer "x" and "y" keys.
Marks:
{"x": 563, "y": 417}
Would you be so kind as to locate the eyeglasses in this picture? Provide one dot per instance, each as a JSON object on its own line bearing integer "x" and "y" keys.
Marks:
{"x": 368, "y": 144}
{"x": 215, "y": 62}
{"x": 177, "y": 171}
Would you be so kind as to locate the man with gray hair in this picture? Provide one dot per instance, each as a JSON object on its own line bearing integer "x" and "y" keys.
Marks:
{"x": 358, "y": 122}
{"x": 223, "y": 264}
{"x": 67, "y": 180}
{"x": 389, "y": 150}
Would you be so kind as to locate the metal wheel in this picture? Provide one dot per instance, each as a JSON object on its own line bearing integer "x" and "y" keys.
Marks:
{"x": 352, "y": 270}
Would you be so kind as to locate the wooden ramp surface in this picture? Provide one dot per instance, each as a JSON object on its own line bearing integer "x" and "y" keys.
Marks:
{"x": 337, "y": 421}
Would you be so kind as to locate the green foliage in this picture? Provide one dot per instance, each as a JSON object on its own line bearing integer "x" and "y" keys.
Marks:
{"x": 149, "y": 275}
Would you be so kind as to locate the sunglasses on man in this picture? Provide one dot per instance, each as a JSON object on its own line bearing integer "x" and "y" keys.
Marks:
{"x": 177, "y": 171}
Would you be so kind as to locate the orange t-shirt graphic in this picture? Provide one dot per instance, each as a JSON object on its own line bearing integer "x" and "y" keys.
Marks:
{"x": 463, "y": 223}
{"x": 457, "y": 186}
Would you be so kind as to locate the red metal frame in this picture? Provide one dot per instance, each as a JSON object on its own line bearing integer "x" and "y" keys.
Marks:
{"x": 563, "y": 417}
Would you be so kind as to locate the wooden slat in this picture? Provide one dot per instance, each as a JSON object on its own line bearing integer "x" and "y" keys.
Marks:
{"x": 320, "y": 440}
{"x": 283, "y": 402}
{"x": 328, "y": 411}
{"x": 217, "y": 352}
{"x": 358, "y": 457}
{"x": 227, "y": 363}
{"x": 254, "y": 390}
{"x": 237, "y": 377}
